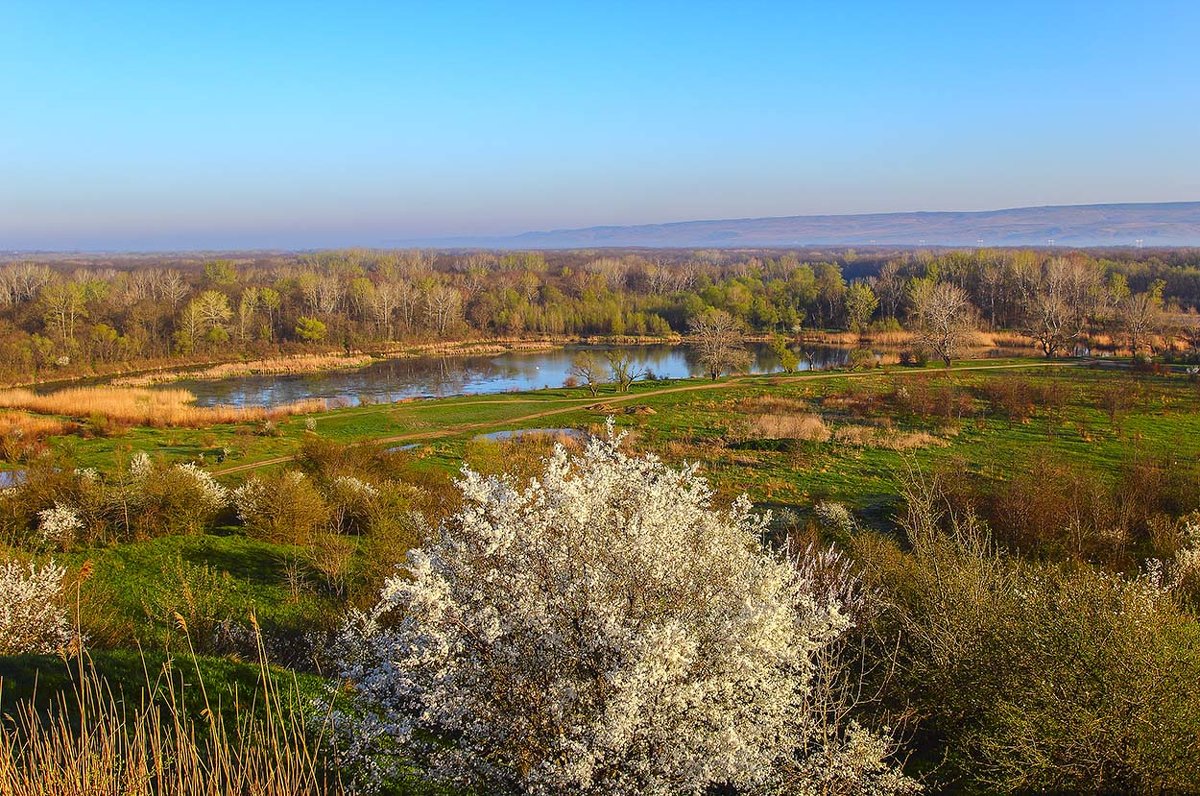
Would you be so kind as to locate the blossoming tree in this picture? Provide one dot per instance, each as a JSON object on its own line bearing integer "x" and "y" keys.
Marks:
{"x": 601, "y": 629}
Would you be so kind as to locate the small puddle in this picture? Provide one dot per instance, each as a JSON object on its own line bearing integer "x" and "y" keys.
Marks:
{"x": 412, "y": 446}
{"x": 504, "y": 436}
{"x": 12, "y": 478}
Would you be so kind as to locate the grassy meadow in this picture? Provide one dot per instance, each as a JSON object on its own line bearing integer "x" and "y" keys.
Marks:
{"x": 789, "y": 441}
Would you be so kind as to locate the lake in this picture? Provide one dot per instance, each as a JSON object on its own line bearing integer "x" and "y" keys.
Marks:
{"x": 395, "y": 379}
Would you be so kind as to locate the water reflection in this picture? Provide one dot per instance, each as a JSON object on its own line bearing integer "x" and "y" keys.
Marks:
{"x": 396, "y": 379}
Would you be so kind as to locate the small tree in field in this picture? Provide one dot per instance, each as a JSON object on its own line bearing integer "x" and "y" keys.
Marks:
{"x": 587, "y": 369}
{"x": 945, "y": 319}
{"x": 604, "y": 630}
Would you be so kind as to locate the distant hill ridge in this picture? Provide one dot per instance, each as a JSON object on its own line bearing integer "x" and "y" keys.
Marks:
{"x": 1151, "y": 224}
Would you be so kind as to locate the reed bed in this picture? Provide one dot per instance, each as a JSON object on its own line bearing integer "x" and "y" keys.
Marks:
{"x": 302, "y": 363}
{"x": 91, "y": 741}
{"x": 807, "y": 427}
{"x": 139, "y": 406}
{"x": 27, "y": 426}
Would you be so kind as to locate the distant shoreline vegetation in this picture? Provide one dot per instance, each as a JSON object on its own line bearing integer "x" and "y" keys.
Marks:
{"x": 70, "y": 318}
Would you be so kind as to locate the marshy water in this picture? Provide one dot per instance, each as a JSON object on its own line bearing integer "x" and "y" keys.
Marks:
{"x": 396, "y": 379}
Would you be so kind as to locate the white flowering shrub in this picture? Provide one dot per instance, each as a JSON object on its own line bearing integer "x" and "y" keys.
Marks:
{"x": 211, "y": 495}
{"x": 32, "y": 618}
{"x": 834, "y": 519}
{"x": 601, "y": 629}
{"x": 351, "y": 502}
{"x": 59, "y": 525}
{"x": 140, "y": 465}
{"x": 284, "y": 507}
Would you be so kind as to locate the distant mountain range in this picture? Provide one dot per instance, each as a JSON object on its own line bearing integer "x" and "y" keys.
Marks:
{"x": 1149, "y": 224}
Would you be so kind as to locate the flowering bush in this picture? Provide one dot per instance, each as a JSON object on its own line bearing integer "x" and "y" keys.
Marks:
{"x": 281, "y": 508}
{"x": 835, "y": 519}
{"x": 32, "y": 620}
{"x": 600, "y": 630}
{"x": 59, "y": 524}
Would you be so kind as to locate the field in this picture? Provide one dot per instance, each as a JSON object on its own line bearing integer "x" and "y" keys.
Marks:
{"x": 789, "y": 441}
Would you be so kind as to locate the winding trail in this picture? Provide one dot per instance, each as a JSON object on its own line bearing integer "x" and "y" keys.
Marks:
{"x": 611, "y": 400}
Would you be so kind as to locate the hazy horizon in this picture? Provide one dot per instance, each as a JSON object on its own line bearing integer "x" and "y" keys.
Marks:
{"x": 142, "y": 126}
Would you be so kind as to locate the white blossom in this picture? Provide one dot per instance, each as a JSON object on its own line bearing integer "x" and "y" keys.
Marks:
{"x": 59, "y": 524}
{"x": 213, "y": 495}
{"x": 834, "y": 517}
{"x": 355, "y": 486}
{"x": 600, "y": 630}
{"x": 140, "y": 465}
{"x": 248, "y": 498}
{"x": 32, "y": 619}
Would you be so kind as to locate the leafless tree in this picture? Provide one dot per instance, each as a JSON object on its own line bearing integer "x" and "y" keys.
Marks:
{"x": 623, "y": 368}
{"x": 1060, "y": 303}
{"x": 944, "y": 319}
{"x": 588, "y": 370}
{"x": 718, "y": 339}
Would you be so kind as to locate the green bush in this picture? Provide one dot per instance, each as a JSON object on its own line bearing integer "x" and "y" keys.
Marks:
{"x": 1036, "y": 677}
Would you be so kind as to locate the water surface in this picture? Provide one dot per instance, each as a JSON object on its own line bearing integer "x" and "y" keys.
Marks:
{"x": 394, "y": 379}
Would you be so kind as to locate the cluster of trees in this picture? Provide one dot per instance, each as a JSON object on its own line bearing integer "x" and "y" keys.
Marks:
{"x": 59, "y": 314}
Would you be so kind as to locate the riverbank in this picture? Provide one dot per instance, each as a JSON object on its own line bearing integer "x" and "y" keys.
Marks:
{"x": 151, "y": 372}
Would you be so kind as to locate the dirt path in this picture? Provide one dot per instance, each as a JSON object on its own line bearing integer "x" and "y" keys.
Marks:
{"x": 611, "y": 400}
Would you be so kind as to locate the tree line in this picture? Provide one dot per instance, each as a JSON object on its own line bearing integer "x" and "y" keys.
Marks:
{"x": 72, "y": 316}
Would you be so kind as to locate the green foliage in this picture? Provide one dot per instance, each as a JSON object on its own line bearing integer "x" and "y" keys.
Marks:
{"x": 311, "y": 330}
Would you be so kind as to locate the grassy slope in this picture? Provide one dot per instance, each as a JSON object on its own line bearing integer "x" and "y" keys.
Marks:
{"x": 139, "y": 580}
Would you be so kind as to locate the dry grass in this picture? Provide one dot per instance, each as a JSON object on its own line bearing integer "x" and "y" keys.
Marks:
{"x": 807, "y": 427}
{"x": 91, "y": 741}
{"x": 890, "y": 439}
{"x": 302, "y": 363}
{"x": 141, "y": 406}
{"x": 762, "y": 404}
{"x": 27, "y": 426}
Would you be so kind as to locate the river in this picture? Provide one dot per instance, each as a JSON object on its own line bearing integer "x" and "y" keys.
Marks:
{"x": 395, "y": 379}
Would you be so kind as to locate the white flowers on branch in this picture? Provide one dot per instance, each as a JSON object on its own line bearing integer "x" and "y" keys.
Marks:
{"x": 32, "y": 619}
{"x": 59, "y": 524}
{"x": 600, "y": 630}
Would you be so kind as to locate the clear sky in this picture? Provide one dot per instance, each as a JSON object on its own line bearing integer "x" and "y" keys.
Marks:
{"x": 168, "y": 124}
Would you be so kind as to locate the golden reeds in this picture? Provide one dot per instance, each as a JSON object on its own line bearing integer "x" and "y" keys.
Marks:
{"x": 141, "y": 406}
{"x": 302, "y": 363}
{"x": 90, "y": 741}
{"x": 808, "y": 427}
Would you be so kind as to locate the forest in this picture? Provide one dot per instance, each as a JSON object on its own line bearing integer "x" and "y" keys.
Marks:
{"x": 63, "y": 317}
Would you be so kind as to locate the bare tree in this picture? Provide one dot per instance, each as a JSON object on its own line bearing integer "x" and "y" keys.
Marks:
{"x": 623, "y": 368}
{"x": 718, "y": 339}
{"x": 1140, "y": 316}
{"x": 945, "y": 319}
{"x": 1060, "y": 302}
{"x": 587, "y": 369}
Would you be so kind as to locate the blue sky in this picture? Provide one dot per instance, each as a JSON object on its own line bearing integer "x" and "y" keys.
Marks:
{"x": 128, "y": 125}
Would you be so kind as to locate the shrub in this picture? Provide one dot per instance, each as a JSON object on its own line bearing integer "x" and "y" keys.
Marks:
{"x": 861, "y": 359}
{"x": 1036, "y": 677}
{"x": 595, "y": 632}
{"x": 806, "y": 427}
{"x": 32, "y": 617}
{"x": 282, "y": 508}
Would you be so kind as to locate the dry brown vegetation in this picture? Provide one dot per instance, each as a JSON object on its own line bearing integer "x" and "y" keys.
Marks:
{"x": 92, "y": 741}
{"x": 304, "y": 363}
{"x": 141, "y": 406}
{"x": 808, "y": 427}
{"x": 887, "y": 438}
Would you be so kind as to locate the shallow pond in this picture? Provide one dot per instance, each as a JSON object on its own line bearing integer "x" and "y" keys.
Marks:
{"x": 394, "y": 379}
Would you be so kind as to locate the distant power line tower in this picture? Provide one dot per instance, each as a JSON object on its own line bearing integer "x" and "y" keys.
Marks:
{"x": 1138, "y": 243}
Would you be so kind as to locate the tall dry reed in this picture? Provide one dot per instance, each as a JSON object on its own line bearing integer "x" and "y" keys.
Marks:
{"x": 91, "y": 741}
{"x": 301, "y": 363}
{"x": 145, "y": 407}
